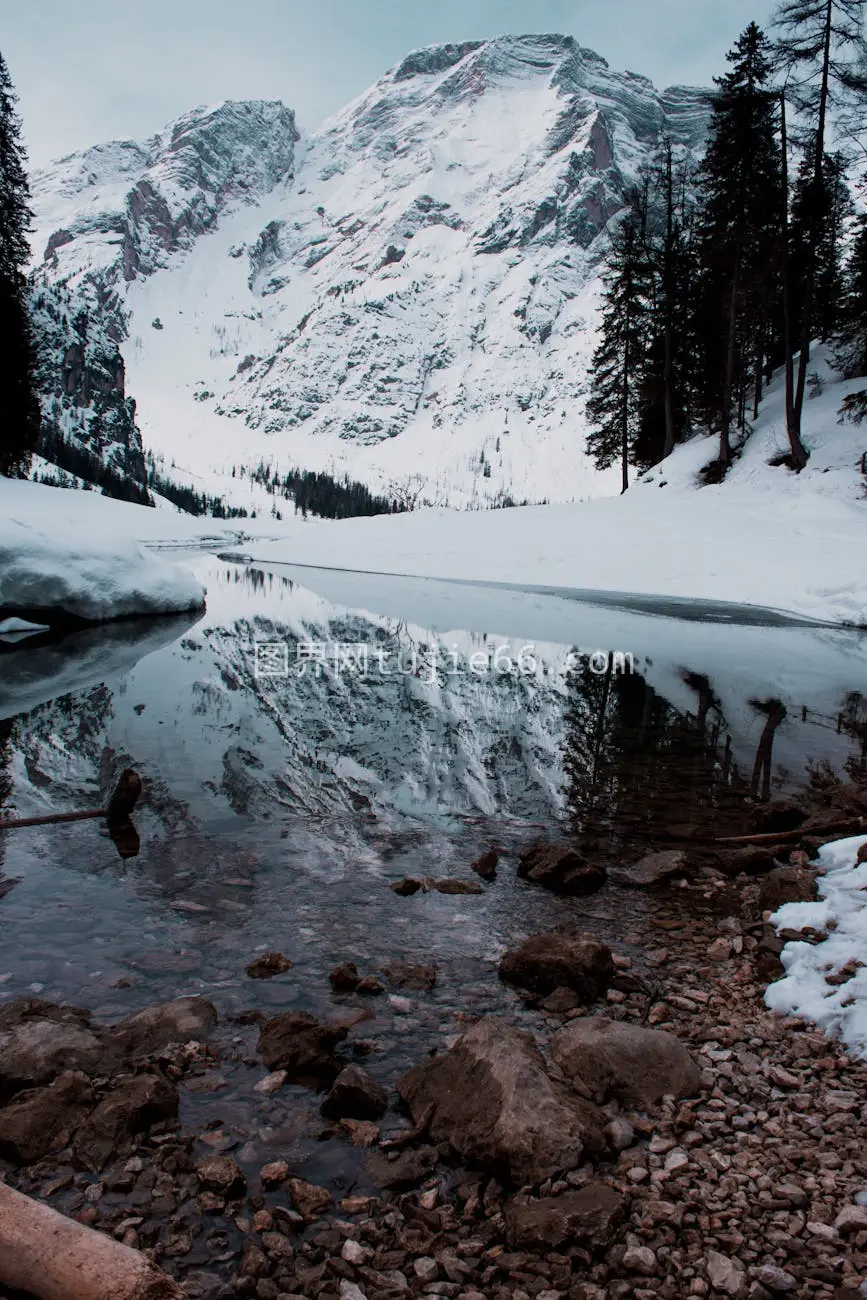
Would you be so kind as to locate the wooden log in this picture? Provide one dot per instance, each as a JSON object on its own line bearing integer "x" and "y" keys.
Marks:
{"x": 117, "y": 812}
{"x": 55, "y": 1258}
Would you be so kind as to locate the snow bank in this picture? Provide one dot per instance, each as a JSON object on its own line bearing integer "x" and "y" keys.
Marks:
{"x": 839, "y": 1010}
{"x": 71, "y": 553}
{"x": 716, "y": 544}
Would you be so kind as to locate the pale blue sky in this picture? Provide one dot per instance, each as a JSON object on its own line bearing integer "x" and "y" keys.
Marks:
{"x": 92, "y": 70}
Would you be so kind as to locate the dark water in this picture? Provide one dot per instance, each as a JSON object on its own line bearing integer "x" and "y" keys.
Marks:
{"x": 279, "y": 805}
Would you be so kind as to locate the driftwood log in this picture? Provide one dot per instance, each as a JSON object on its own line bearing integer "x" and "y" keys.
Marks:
{"x": 116, "y": 812}
{"x": 55, "y": 1258}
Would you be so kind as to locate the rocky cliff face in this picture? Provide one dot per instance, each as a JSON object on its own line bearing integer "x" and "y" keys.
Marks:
{"x": 115, "y": 213}
{"x": 408, "y": 297}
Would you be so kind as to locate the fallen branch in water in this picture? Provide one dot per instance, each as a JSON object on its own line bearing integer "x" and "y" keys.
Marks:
{"x": 55, "y": 1258}
{"x": 117, "y": 811}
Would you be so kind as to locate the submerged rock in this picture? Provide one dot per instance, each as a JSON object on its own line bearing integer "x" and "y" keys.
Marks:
{"x": 654, "y": 869}
{"x": 486, "y": 864}
{"x": 355, "y": 1095}
{"x": 605, "y": 1059}
{"x": 268, "y": 965}
{"x": 561, "y": 869}
{"x": 299, "y": 1044}
{"x": 558, "y": 959}
{"x": 410, "y": 975}
{"x": 492, "y": 1100}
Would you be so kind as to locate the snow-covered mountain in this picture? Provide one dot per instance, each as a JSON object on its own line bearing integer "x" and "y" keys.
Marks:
{"x": 407, "y": 296}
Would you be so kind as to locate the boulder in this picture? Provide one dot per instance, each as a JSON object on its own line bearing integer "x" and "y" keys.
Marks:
{"x": 654, "y": 869}
{"x": 561, "y": 869}
{"x": 408, "y": 886}
{"x": 492, "y": 1100}
{"x": 345, "y": 977}
{"x": 778, "y": 815}
{"x": 355, "y": 1095}
{"x": 558, "y": 959}
{"x": 299, "y": 1044}
{"x": 787, "y": 885}
{"x": 39, "y": 1041}
{"x": 605, "y": 1059}
{"x": 132, "y": 1107}
{"x": 750, "y": 860}
{"x": 589, "y": 1216}
{"x": 269, "y": 964}
{"x": 42, "y": 1120}
{"x": 180, "y": 1021}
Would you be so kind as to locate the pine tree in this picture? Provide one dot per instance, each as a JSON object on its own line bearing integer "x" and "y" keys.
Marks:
{"x": 851, "y": 343}
{"x": 818, "y": 229}
{"x": 668, "y": 368}
{"x": 614, "y": 406}
{"x": 738, "y": 233}
{"x": 19, "y": 407}
{"x": 822, "y": 55}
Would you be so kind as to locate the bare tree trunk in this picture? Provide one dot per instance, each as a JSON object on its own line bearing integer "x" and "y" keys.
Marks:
{"x": 763, "y": 766}
{"x": 810, "y": 280}
{"x": 668, "y": 380}
{"x": 797, "y": 449}
{"x": 725, "y": 446}
{"x": 53, "y": 1257}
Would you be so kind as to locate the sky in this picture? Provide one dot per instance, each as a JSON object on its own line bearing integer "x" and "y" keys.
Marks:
{"x": 94, "y": 70}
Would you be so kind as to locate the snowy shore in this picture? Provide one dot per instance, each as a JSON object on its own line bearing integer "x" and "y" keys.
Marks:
{"x": 68, "y": 556}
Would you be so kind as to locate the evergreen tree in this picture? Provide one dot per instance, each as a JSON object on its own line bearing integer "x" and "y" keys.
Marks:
{"x": 667, "y": 377}
{"x": 614, "y": 406}
{"x": 818, "y": 229}
{"x": 738, "y": 234}
{"x": 19, "y": 407}
{"x": 822, "y": 57}
{"x": 851, "y": 348}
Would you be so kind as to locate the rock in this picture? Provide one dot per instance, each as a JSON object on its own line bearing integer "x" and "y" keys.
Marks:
{"x": 486, "y": 864}
{"x": 449, "y": 886}
{"x": 852, "y": 1218}
{"x": 589, "y": 1215}
{"x": 861, "y": 855}
{"x": 557, "y": 959}
{"x": 220, "y": 1174}
{"x": 787, "y": 885}
{"x": 355, "y": 1095}
{"x": 426, "y": 1269}
{"x": 409, "y": 1168}
{"x": 370, "y": 986}
{"x": 750, "y": 860}
{"x": 640, "y": 1259}
{"x": 42, "y": 1120}
{"x": 561, "y": 869}
{"x": 560, "y": 1001}
{"x": 309, "y": 1200}
{"x": 132, "y": 1107}
{"x": 273, "y": 1174}
{"x": 406, "y": 887}
{"x": 654, "y": 869}
{"x": 493, "y": 1101}
{"x": 775, "y": 1279}
{"x": 268, "y": 965}
{"x": 409, "y": 975}
{"x": 361, "y": 1133}
{"x": 297, "y": 1043}
{"x": 726, "y": 1275}
{"x": 606, "y": 1059}
{"x": 180, "y": 1021}
{"x": 620, "y": 1134}
{"x": 345, "y": 977}
{"x": 271, "y": 1083}
{"x": 39, "y": 1041}
{"x": 720, "y": 949}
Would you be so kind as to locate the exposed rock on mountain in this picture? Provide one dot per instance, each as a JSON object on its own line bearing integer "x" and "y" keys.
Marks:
{"x": 410, "y": 299}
